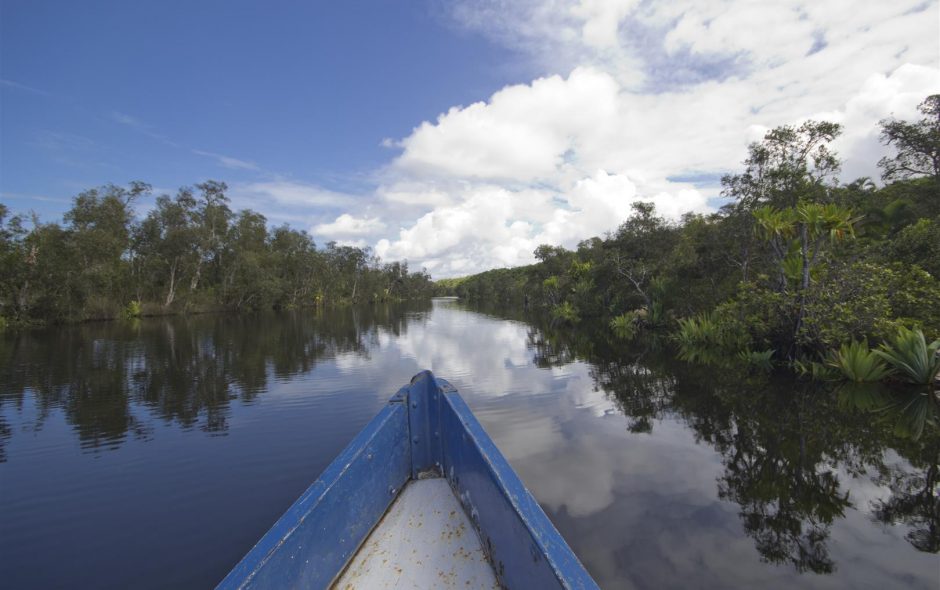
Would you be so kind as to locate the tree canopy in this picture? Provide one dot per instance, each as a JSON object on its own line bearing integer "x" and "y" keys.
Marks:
{"x": 191, "y": 252}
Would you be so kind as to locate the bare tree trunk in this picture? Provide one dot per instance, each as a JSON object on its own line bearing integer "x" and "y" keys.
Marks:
{"x": 196, "y": 275}
{"x": 22, "y": 299}
{"x": 172, "y": 292}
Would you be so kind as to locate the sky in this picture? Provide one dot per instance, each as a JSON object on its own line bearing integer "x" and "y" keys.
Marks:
{"x": 457, "y": 135}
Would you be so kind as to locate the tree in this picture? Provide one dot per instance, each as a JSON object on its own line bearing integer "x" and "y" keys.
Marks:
{"x": 248, "y": 272}
{"x": 212, "y": 219}
{"x": 166, "y": 243}
{"x": 641, "y": 248}
{"x": 917, "y": 144}
{"x": 295, "y": 260}
{"x": 14, "y": 263}
{"x": 919, "y": 244}
{"x": 797, "y": 236}
{"x": 100, "y": 223}
{"x": 790, "y": 164}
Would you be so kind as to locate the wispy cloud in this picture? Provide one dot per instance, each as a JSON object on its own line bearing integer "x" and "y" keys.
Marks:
{"x": 23, "y": 87}
{"x": 70, "y": 149}
{"x": 228, "y": 161}
{"x": 141, "y": 127}
{"x": 61, "y": 141}
{"x": 284, "y": 192}
{"x": 7, "y": 196}
{"x": 125, "y": 119}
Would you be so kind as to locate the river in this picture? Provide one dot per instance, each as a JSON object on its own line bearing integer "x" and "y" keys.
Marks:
{"x": 153, "y": 453}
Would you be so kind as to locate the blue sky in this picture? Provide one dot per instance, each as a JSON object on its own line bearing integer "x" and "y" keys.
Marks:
{"x": 457, "y": 135}
{"x": 101, "y": 92}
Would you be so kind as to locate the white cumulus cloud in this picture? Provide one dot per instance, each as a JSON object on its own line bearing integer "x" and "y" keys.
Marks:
{"x": 626, "y": 100}
{"x": 346, "y": 225}
{"x": 635, "y": 99}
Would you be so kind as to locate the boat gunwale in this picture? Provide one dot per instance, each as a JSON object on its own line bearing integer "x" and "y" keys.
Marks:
{"x": 479, "y": 476}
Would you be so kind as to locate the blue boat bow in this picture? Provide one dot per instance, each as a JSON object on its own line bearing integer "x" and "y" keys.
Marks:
{"x": 425, "y": 430}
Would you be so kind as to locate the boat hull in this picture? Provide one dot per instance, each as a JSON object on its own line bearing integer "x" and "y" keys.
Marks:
{"x": 425, "y": 430}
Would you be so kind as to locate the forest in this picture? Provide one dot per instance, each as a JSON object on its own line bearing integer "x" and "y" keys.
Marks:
{"x": 191, "y": 253}
{"x": 797, "y": 268}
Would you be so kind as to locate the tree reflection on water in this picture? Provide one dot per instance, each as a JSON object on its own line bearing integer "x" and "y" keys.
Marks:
{"x": 183, "y": 370}
{"x": 786, "y": 446}
{"x": 784, "y": 443}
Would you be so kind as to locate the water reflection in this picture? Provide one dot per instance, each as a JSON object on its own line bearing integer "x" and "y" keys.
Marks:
{"x": 183, "y": 370}
{"x": 786, "y": 446}
{"x": 915, "y": 493}
{"x": 659, "y": 473}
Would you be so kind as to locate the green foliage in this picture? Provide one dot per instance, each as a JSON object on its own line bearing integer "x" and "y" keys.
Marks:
{"x": 3, "y": 323}
{"x": 911, "y": 356}
{"x": 849, "y": 303}
{"x": 700, "y": 330}
{"x": 917, "y": 144}
{"x": 566, "y": 313}
{"x": 815, "y": 370}
{"x": 919, "y": 244}
{"x": 796, "y": 264}
{"x": 791, "y": 163}
{"x": 191, "y": 252}
{"x": 132, "y": 310}
{"x": 624, "y": 325}
{"x": 757, "y": 316}
{"x": 656, "y": 314}
{"x": 858, "y": 363}
{"x": 758, "y": 359}
{"x": 868, "y": 300}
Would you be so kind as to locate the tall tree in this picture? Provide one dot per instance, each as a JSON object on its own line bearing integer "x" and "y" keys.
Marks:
{"x": 917, "y": 144}
{"x": 166, "y": 243}
{"x": 790, "y": 164}
{"x": 100, "y": 223}
{"x": 212, "y": 219}
{"x": 641, "y": 249}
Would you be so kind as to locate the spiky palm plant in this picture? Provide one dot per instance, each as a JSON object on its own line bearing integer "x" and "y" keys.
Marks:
{"x": 859, "y": 363}
{"x": 909, "y": 353}
{"x": 762, "y": 359}
{"x": 624, "y": 325}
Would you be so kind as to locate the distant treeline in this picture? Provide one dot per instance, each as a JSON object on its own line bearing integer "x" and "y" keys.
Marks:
{"x": 795, "y": 265}
{"x": 190, "y": 253}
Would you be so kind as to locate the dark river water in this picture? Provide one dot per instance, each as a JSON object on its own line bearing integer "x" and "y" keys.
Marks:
{"x": 154, "y": 453}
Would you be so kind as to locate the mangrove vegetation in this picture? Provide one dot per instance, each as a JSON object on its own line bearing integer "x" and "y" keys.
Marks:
{"x": 797, "y": 268}
{"x": 190, "y": 253}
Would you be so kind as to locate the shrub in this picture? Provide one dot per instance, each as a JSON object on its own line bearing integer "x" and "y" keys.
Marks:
{"x": 867, "y": 300}
{"x": 859, "y": 363}
{"x": 624, "y": 325}
{"x": 565, "y": 313}
{"x": 815, "y": 370}
{"x": 919, "y": 244}
{"x": 711, "y": 339}
{"x": 757, "y": 317}
{"x": 914, "y": 359}
{"x": 133, "y": 310}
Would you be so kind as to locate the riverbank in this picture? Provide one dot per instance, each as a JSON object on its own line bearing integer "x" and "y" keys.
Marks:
{"x": 136, "y": 310}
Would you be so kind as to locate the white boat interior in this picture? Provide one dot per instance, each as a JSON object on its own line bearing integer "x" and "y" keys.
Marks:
{"x": 425, "y": 540}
